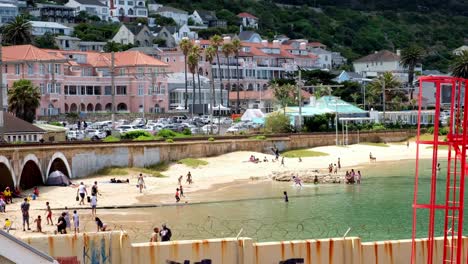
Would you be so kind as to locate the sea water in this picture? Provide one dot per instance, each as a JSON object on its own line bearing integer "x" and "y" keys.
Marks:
{"x": 378, "y": 209}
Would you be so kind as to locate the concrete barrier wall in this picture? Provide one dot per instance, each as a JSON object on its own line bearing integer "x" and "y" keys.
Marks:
{"x": 115, "y": 247}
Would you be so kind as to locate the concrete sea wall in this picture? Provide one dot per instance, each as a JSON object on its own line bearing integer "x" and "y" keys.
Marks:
{"x": 115, "y": 247}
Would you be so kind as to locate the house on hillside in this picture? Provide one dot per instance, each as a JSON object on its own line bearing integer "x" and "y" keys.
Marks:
{"x": 39, "y": 28}
{"x": 262, "y": 99}
{"x": 338, "y": 60}
{"x": 346, "y": 76}
{"x": 138, "y": 35}
{"x": 383, "y": 61}
{"x": 179, "y": 16}
{"x": 248, "y": 20}
{"x": 127, "y": 10}
{"x": 91, "y": 7}
{"x": 250, "y": 36}
{"x": 459, "y": 50}
{"x": 324, "y": 57}
{"x": 53, "y": 13}
{"x": 67, "y": 42}
{"x": 167, "y": 35}
{"x": 153, "y": 6}
{"x": 8, "y": 12}
{"x": 207, "y": 19}
{"x": 17, "y": 130}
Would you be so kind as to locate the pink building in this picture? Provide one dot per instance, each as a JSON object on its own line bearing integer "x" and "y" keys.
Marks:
{"x": 74, "y": 81}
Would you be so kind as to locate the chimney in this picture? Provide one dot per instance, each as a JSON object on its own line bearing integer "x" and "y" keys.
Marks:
{"x": 276, "y": 43}
{"x": 264, "y": 42}
{"x": 302, "y": 46}
{"x": 398, "y": 52}
{"x": 227, "y": 39}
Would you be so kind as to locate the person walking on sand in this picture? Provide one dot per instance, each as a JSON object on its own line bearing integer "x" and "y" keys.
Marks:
{"x": 82, "y": 192}
{"x": 165, "y": 233}
{"x": 61, "y": 224}
{"x": 335, "y": 170}
{"x": 177, "y": 195}
{"x": 181, "y": 191}
{"x": 76, "y": 222}
{"x": 282, "y": 161}
{"x": 339, "y": 163}
{"x": 154, "y": 236}
{"x": 141, "y": 182}
{"x": 94, "y": 189}
{"x": 189, "y": 178}
{"x": 358, "y": 177}
{"x": 93, "y": 205}
{"x": 180, "y": 179}
{"x": 49, "y": 214}
{"x": 286, "y": 199}
{"x": 25, "y": 212}
{"x": 38, "y": 221}
{"x": 67, "y": 219}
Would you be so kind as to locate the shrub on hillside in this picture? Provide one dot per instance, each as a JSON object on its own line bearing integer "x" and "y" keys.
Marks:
{"x": 277, "y": 123}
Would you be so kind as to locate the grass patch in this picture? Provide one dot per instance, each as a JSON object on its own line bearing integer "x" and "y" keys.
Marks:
{"x": 111, "y": 171}
{"x": 427, "y": 137}
{"x": 443, "y": 147}
{"x": 303, "y": 153}
{"x": 374, "y": 144}
{"x": 194, "y": 163}
{"x": 154, "y": 170}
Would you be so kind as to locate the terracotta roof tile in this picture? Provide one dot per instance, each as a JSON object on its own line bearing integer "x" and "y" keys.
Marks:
{"x": 265, "y": 95}
{"x": 247, "y": 15}
{"x": 13, "y": 124}
{"x": 27, "y": 53}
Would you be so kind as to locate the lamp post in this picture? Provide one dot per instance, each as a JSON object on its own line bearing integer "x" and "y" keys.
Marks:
{"x": 336, "y": 121}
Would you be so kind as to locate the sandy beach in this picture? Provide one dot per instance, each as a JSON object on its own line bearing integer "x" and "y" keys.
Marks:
{"x": 223, "y": 170}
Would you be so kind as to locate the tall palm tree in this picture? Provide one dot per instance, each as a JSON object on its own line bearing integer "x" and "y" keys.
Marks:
{"x": 237, "y": 46}
{"x": 185, "y": 45}
{"x": 227, "y": 49}
{"x": 197, "y": 51}
{"x": 24, "y": 99}
{"x": 210, "y": 54}
{"x": 384, "y": 85}
{"x": 18, "y": 31}
{"x": 409, "y": 58}
{"x": 192, "y": 62}
{"x": 216, "y": 42}
{"x": 460, "y": 65}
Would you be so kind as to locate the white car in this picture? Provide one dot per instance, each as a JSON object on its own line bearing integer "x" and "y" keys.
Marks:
{"x": 95, "y": 134}
{"x": 75, "y": 135}
{"x": 207, "y": 129}
{"x": 126, "y": 128}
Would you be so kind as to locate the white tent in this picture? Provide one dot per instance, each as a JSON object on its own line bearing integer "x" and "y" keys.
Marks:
{"x": 220, "y": 107}
{"x": 251, "y": 114}
{"x": 180, "y": 107}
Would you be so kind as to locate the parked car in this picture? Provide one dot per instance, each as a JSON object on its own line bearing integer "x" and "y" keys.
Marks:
{"x": 125, "y": 128}
{"x": 207, "y": 129}
{"x": 179, "y": 119}
{"x": 95, "y": 134}
{"x": 75, "y": 135}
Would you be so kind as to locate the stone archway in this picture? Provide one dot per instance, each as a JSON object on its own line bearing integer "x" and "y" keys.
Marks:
{"x": 58, "y": 162}
{"x": 7, "y": 175}
{"x": 98, "y": 107}
{"x": 89, "y": 108}
{"x": 31, "y": 173}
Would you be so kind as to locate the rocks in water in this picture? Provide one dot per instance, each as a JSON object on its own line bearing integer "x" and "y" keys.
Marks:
{"x": 308, "y": 176}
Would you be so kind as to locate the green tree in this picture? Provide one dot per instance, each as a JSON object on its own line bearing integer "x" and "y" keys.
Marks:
{"x": 46, "y": 41}
{"x": 216, "y": 42}
{"x": 236, "y": 48}
{"x": 192, "y": 62}
{"x": 185, "y": 45}
{"x": 210, "y": 55}
{"x": 196, "y": 50}
{"x": 17, "y": 31}
{"x": 24, "y": 99}
{"x": 283, "y": 94}
{"x": 277, "y": 123}
{"x": 114, "y": 46}
{"x": 460, "y": 65}
{"x": 410, "y": 57}
{"x": 391, "y": 85}
{"x": 227, "y": 49}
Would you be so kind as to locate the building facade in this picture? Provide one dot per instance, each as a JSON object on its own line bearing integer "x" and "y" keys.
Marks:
{"x": 126, "y": 10}
{"x": 53, "y": 13}
{"x": 91, "y": 7}
{"x": 8, "y": 12}
{"x": 75, "y": 81}
{"x": 40, "y": 28}
{"x": 179, "y": 16}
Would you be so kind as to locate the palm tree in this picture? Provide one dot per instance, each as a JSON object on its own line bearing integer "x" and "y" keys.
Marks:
{"x": 24, "y": 99}
{"x": 227, "y": 49}
{"x": 460, "y": 65}
{"x": 384, "y": 85}
{"x": 185, "y": 45}
{"x": 409, "y": 58}
{"x": 283, "y": 94}
{"x": 216, "y": 41}
{"x": 18, "y": 31}
{"x": 237, "y": 46}
{"x": 210, "y": 54}
{"x": 197, "y": 51}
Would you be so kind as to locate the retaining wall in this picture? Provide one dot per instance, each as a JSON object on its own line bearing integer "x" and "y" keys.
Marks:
{"x": 115, "y": 247}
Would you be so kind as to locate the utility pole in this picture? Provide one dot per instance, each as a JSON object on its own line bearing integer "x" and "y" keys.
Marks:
{"x": 336, "y": 121}
{"x": 113, "y": 88}
{"x": 384, "y": 100}
{"x": 299, "y": 97}
{"x": 1, "y": 92}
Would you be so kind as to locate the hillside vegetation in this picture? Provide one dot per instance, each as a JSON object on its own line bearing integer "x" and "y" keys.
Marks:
{"x": 354, "y": 27}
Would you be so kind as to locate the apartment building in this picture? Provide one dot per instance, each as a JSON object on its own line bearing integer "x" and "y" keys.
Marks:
{"x": 126, "y": 10}
{"x": 75, "y": 81}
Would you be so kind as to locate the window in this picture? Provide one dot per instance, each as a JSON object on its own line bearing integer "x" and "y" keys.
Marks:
{"x": 97, "y": 90}
{"x": 104, "y": 10}
{"x": 141, "y": 89}
{"x": 141, "y": 71}
{"x": 57, "y": 88}
{"x": 122, "y": 72}
{"x": 30, "y": 69}
{"x": 17, "y": 69}
{"x": 41, "y": 69}
{"x": 121, "y": 90}
{"x": 130, "y": 3}
{"x": 108, "y": 90}
{"x": 6, "y": 68}
{"x": 141, "y": 12}
{"x": 42, "y": 88}
{"x": 89, "y": 90}
{"x": 57, "y": 68}
{"x": 121, "y": 2}
{"x": 49, "y": 87}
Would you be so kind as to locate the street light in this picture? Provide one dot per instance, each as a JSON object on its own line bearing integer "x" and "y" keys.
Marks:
{"x": 336, "y": 119}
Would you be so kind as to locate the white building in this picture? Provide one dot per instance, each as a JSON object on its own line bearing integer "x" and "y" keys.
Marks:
{"x": 92, "y": 7}
{"x": 8, "y": 12}
{"x": 324, "y": 60}
{"x": 380, "y": 62}
{"x": 179, "y": 16}
{"x": 184, "y": 32}
{"x": 39, "y": 28}
{"x": 248, "y": 20}
{"x": 127, "y": 8}
{"x": 459, "y": 50}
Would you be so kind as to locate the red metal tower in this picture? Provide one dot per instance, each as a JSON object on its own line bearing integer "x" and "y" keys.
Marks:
{"x": 449, "y": 93}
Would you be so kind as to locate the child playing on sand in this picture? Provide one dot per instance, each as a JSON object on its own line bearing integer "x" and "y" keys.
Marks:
{"x": 285, "y": 196}
{"x": 177, "y": 196}
{"x": 38, "y": 221}
{"x": 49, "y": 214}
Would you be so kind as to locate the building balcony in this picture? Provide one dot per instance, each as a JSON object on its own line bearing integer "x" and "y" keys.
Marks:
{"x": 51, "y": 97}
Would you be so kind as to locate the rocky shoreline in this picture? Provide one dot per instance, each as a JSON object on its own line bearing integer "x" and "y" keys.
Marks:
{"x": 308, "y": 176}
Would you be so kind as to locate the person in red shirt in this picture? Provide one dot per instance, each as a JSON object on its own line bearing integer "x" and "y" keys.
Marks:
{"x": 177, "y": 195}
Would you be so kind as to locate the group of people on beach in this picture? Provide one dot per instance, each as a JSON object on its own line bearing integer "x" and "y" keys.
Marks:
{"x": 164, "y": 234}
{"x": 180, "y": 189}
{"x": 353, "y": 177}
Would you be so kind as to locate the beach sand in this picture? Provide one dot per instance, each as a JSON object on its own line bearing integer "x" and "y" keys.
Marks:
{"x": 231, "y": 168}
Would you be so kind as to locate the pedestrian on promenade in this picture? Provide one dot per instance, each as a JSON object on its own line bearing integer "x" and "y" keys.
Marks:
{"x": 76, "y": 221}
{"x": 25, "y": 212}
{"x": 49, "y": 214}
{"x": 82, "y": 192}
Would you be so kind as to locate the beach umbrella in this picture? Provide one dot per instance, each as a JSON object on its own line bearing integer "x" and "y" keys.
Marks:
{"x": 57, "y": 178}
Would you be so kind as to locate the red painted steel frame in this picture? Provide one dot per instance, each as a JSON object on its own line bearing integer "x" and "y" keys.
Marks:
{"x": 454, "y": 177}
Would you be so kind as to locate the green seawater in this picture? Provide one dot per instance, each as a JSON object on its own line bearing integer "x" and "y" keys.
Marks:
{"x": 378, "y": 209}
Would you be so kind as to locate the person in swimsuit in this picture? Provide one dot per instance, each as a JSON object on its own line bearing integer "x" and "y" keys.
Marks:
{"x": 49, "y": 214}
{"x": 155, "y": 235}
